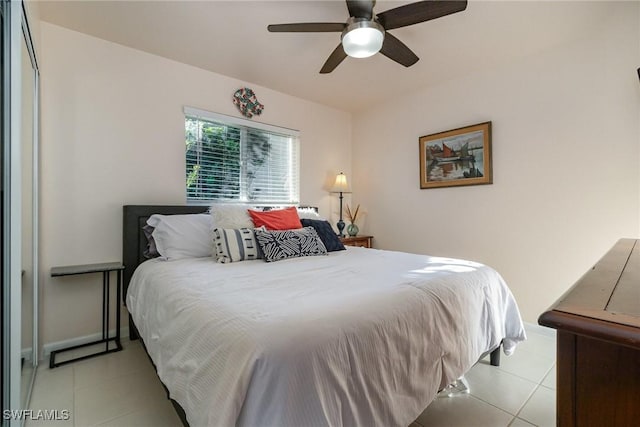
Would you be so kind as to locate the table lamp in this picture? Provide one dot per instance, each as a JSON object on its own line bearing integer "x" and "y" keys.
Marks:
{"x": 341, "y": 186}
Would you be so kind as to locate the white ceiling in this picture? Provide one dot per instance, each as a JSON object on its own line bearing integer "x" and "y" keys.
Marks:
{"x": 231, "y": 38}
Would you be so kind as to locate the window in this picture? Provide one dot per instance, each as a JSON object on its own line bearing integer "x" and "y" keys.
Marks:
{"x": 232, "y": 159}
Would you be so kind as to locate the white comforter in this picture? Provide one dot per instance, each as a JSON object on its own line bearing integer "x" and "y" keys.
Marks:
{"x": 360, "y": 337}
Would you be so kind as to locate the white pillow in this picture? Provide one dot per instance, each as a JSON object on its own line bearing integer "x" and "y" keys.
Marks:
{"x": 308, "y": 213}
{"x": 182, "y": 236}
{"x": 230, "y": 216}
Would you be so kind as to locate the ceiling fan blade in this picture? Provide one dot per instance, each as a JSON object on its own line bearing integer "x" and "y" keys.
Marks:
{"x": 394, "y": 49}
{"x": 417, "y": 12}
{"x": 361, "y": 8}
{"x": 336, "y": 57}
{"x": 307, "y": 27}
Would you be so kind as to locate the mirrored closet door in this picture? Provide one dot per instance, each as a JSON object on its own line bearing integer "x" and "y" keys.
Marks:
{"x": 19, "y": 211}
{"x": 29, "y": 192}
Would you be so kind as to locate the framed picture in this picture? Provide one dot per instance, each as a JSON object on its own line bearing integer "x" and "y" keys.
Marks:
{"x": 456, "y": 157}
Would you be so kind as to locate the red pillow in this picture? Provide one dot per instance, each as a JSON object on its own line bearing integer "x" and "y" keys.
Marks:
{"x": 281, "y": 219}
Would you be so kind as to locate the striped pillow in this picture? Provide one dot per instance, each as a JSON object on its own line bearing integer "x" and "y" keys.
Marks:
{"x": 233, "y": 245}
{"x": 282, "y": 244}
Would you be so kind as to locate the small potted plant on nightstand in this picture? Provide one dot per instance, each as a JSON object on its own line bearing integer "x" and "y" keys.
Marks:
{"x": 352, "y": 228}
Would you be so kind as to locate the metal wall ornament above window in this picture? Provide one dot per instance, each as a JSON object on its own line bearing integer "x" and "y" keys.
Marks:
{"x": 247, "y": 102}
{"x": 234, "y": 160}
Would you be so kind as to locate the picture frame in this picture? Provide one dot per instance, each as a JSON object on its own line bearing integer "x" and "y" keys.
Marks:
{"x": 456, "y": 157}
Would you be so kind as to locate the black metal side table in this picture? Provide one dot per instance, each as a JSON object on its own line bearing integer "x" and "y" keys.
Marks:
{"x": 105, "y": 269}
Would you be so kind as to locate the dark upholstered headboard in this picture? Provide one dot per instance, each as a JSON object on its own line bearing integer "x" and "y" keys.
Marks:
{"x": 133, "y": 240}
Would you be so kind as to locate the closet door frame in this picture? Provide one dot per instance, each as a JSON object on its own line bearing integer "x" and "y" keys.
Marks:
{"x": 5, "y": 332}
{"x": 12, "y": 207}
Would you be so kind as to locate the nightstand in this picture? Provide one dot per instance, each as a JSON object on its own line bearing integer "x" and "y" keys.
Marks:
{"x": 105, "y": 269}
{"x": 362, "y": 241}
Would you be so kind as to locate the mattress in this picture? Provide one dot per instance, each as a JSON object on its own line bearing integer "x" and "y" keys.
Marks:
{"x": 357, "y": 337}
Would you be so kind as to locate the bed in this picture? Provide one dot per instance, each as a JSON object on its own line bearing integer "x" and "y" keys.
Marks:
{"x": 357, "y": 337}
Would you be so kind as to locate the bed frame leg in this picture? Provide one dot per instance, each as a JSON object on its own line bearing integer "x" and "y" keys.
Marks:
{"x": 133, "y": 331}
{"x": 494, "y": 357}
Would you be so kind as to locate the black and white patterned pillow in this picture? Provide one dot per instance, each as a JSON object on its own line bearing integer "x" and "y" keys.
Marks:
{"x": 233, "y": 245}
{"x": 282, "y": 244}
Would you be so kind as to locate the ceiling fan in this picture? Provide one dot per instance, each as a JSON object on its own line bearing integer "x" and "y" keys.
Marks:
{"x": 365, "y": 33}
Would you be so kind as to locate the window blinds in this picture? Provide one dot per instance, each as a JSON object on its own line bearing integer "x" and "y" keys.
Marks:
{"x": 231, "y": 159}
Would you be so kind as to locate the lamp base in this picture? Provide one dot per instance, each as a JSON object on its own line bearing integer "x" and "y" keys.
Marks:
{"x": 340, "y": 228}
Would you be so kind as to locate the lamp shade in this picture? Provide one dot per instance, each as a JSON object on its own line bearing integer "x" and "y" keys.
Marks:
{"x": 341, "y": 185}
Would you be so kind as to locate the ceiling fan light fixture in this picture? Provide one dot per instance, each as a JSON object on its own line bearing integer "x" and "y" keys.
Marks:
{"x": 362, "y": 38}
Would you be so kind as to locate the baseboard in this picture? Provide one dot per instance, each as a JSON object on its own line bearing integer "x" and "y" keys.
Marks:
{"x": 540, "y": 330}
{"x": 58, "y": 345}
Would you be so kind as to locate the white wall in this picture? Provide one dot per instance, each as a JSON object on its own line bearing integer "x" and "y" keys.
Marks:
{"x": 113, "y": 134}
{"x": 566, "y": 176}
{"x": 566, "y": 171}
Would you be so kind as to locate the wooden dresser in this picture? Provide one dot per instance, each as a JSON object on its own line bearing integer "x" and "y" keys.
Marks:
{"x": 598, "y": 342}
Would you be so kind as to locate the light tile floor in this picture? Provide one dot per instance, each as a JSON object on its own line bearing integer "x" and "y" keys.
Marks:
{"x": 121, "y": 389}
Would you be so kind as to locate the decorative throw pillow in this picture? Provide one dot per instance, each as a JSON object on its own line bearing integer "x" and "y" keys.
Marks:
{"x": 232, "y": 245}
{"x": 230, "y": 216}
{"x": 281, "y": 219}
{"x": 325, "y": 232}
{"x": 282, "y": 244}
{"x": 308, "y": 213}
